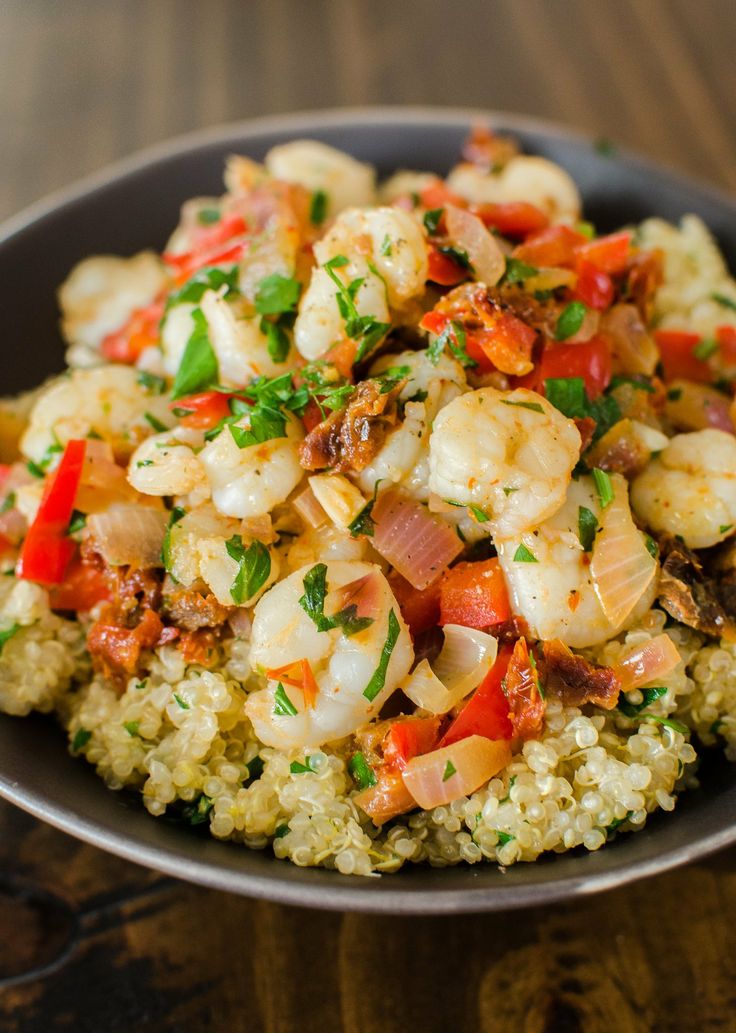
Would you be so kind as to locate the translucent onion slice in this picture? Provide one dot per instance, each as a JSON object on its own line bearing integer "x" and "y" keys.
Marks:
{"x": 445, "y": 775}
{"x": 464, "y": 660}
{"x": 419, "y": 546}
{"x": 588, "y": 327}
{"x": 654, "y": 660}
{"x": 549, "y": 279}
{"x": 309, "y": 508}
{"x": 622, "y": 568}
{"x": 131, "y": 535}
{"x": 468, "y": 234}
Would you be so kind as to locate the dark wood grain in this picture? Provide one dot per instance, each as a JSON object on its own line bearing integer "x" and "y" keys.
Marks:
{"x": 91, "y": 943}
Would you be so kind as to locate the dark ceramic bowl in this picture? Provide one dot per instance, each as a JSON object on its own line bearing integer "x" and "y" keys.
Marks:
{"x": 134, "y": 205}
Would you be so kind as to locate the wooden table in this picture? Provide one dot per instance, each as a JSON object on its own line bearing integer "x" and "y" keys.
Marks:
{"x": 92, "y": 943}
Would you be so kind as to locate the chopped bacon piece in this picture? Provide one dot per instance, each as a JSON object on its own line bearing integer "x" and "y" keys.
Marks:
{"x": 575, "y": 680}
{"x": 523, "y": 691}
{"x": 192, "y": 610}
{"x": 349, "y": 438}
{"x": 687, "y": 593}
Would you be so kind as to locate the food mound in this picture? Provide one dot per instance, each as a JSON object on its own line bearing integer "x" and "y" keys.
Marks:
{"x": 384, "y": 524}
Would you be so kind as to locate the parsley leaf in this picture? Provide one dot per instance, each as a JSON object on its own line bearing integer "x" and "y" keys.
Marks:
{"x": 361, "y": 771}
{"x": 76, "y": 522}
{"x": 297, "y": 768}
{"x": 81, "y": 737}
{"x": 363, "y": 523}
{"x": 176, "y": 515}
{"x": 386, "y": 247}
{"x": 524, "y": 555}
{"x": 504, "y": 837}
{"x": 208, "y": 216}
{"x": 533, "y": 406}
{"x": 277, "y": 340}
{"x": 313, "y": 600}
{"x": 458, "y": 256}
{"x": 197, "y": 813}
{"x": 277, "y": 294}
{"x": 151, "y": 383}
{"x": 366, "y": 329}
{"x": 254, "y": 567}
{"x": 378, "y": 679}
{"x": 587, "y": 527}
{"x": 518, "y": 271}
{"x": 206, "y": 279}
{"x": 570, "y": 320}
{"x": 8, "y": 634}
{"x": 181, "y": 702}
{"x": 450, "y": 770}
{"x": 568, "y": 394}
{"x": 283, "y": 706}
{"x": 318, "y": 208}
{"x": 131, "y": 727}
{"x": 432, "y": 220}
{"x": 154, "y": 422}
{"x": 723, "y": 300}
{"x": 265, "y": 424}
{"x": 648, "y": 697}
{"x": 604, "y": 487}
{"x": 705, "y": 348}
{"x": 453, "y": 336}
{"x": 198, "y": 369}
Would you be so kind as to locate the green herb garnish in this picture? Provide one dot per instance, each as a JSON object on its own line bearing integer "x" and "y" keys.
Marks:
{"x": 297, "y": 768}
{"x": 432, "y": 220}
{"x": 154, "y": 422}
{"x": 277, "y": 294}
{"x": 604, "y": 487}
{"x": 176, "y": 515}
{"x": 532, "y": 406}
{"x": 648, "y": 697}
{"x": 8, "y": 633}
{"x": 198, "y": 369}
{"x": 209, "y": 278}
{"x": 361, "y": 771}
{"x": 81, "y": 737}
{"x": 587, "y": 527}
{"x": 283, "y": 706}
{"x": 318, "y": 208}
{"x": 518, "y": 271}
{"x": 449, "y": 771}
{"x": 705, "y": 348}
{"x": 181, "y": 702}
{"x": 723, "y": 300}
{"x": 254, "y": 567}
{"x": 570, "y": 320}
{"x": 378, "y": 679}
{"x": 151, "y": 383}
{"x": 523, "y": 555}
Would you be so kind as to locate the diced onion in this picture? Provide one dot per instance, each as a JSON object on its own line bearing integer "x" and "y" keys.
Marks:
{"x": 260, "y": 527}
{"x": 550, "y": 279}
{"x": 622, "y": 568}
{"x": 632, "y": 348}
{"x": 654, "y": 660}
{"x": 690, "y": 406}
{"x": 129, "y": 535}
{"x": 411, "y": 539}
{"x": 649, "y": 437}
{"x": 588, "y": 327}
{"x": 309, "y": 508}
{"x": 337, "y": 496}
{"x": 104, "y": 483}
{"x": 469, "y": 234}
{"x": 457, "y": 770}
{"x": 464, "y": 660}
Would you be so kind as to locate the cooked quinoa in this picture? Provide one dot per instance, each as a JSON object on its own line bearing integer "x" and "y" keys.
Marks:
{"x": 292, "y": 465}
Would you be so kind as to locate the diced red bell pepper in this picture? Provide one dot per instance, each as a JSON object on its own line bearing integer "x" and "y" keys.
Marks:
{"x": 139, "y": 332}
{"x": 5, "y": 469}
{"x": 299, "y": 674}
{"x": 726, "y": 337}
{"x": 409, "y": 738}
{"x": 474, "y": 595}
{"x": 590, "y": 360}
{"x": 203, "y": 410}
{"x": 677, "y": 352}
{"x": 487, "y": 711}
{"x": 512, "y": 218}
{"x": 594, "y": 287}
{"x": 312, "y": 415}
{"x": 437, "y": 194}
{"x": 420, "y": 608}
{"x": 554, "y": 246}
{"x": 503, "y": 344}
{"x": 46, "y": 551}
{"x": 342, "y": 356}
{"x": 83, "y": 587}
{"x": 525, "y": 700}
{"x": 610, "y": 254}
{"x": 443, "y": 270}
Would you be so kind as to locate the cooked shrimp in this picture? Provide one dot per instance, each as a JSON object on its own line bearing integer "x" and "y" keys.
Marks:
{"x": 323, "y": 544}
{"x": 552, "y": 587}
{"x": 423, "y": 374}
{"x": 240, "y": 347}
{"x": 317, "y": 166}
{"x": 690, "y": 488}
{"x": 198, "y": 551}
{"x": 509, "y": 452}
{"x": 168, "y": 464}
{"x": 345, "y": 667}
{"x": 524, "y": 178}
{"x": 101, "y": 293}
{"x": 319, "y": 323}
{"x": 404, "y": 183}
{"x": 250, "y": 481}
{"x": 107, "y": 401}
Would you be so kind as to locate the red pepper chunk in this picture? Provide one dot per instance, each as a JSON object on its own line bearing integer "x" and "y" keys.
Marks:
{"x": 83, "y": 587}
{"x": 487, "y": 711}
{"x": 610, "y": 254}
{"x": 443, "y": 270}
{"x": 594, "y": 287}
{"x": 726, "y": 337}
{"x": 203, "y": 410}
{"x": 474, "y": 595}
{"x": 420, "y": 608}
{"x": 46, "y": 551}
{"x": 409, "y": 738}
{"x": 677, "y": 352}
{"x": 512, "y": 218}
{"x": 557, "y": 245}
{"x": 139, "y": 332}
{"x": 591, "y": 361}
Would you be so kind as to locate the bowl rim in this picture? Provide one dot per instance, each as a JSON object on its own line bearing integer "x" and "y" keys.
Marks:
{"x": 341, "y": 892}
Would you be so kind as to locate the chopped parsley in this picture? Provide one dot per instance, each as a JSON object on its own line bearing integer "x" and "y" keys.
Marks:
{"x": 198, "y": 369}
{"x": 277, "y": 340}
{"x": 605, "y": 147}
{"x": 361, "y": 771}
{"x": 603, "y": 486}
{"x": 154, "y": 422}
{"x": 363, "y": 522}
{"x": 453, "y": 337}
{"x": 281, "y": 830}
{"x": 318, "y": 208}
{"x": 504, "y": 837}
{"x": 151, "y": 383}
{"x": 523, "y": 555}
{"x": 81, "y": 737}
{"x": 255, "y": 770}
{"x": 277, "y": 294}
{"x": 131, "y": 727}
{"x": 651, "y": 546}
{"x": 181, "y": 702}
{"x": 480, "y": 514}
{"x": 723, "y": 300}
{"x": 724, "y": 527}
{"x": 313, "y": 604}
{"x": 386, "y": 247}
{"x": 8, "y": 502}
{"x": 297, "y": 768}
{"x": 365, "y": 329}
{"x": 570, "y": 320}
{"x": 532, "y": 406}
{"x": 648, "y": 697}
{"x": 449, "y": 771}
{"x": 705, "y": 348}
{"x": 254, "y": 567}
{"x": 432, "y": 220}
{"x": 618, "y": 822}
{"x": 198, "y": 812}
{"x": 618, "y": 379}
{"x": 8, "y": 633}
{"x": 176, "y": 515}
{"x": 206, "y": 279}
{"x": 667, "y": 722}
{"x": 76, "y": 522}
{"x": 518, "y": 271}
{"x": 568, "y": 394}
{"x": 456, "y": 255}
{"x": 283, "y": 707}
{"x": 378, "y": 678}
{"x": 208, "y": 216}
{"x": 587, "y": 527}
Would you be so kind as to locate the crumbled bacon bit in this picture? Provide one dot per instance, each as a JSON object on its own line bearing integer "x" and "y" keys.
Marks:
{"x": 575, "y": 680}
{"x": 116, "y": 648}
{"x": 198, "y": 647}
{"x": 190, "y": 609}
{"x": 349, "y": 438}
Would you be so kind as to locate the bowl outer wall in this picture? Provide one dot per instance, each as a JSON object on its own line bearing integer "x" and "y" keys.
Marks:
{"x": 133, "y": 205}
